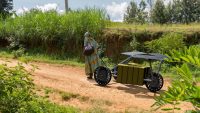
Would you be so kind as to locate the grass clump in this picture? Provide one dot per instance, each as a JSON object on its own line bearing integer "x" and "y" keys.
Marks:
{"x": 96, "y": 109}
{"x": 67, "y": 96}
{"x": 101, "y": 102}
{"x": 84, "y": 98}
{"x": 44, "y": 106}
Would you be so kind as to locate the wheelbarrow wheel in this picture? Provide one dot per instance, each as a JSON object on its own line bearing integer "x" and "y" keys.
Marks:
{"x": 156, "y": 84}
{"x": 102, "y": 76}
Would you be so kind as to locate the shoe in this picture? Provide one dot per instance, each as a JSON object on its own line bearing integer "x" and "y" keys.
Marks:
{"x": 89, "y": 77}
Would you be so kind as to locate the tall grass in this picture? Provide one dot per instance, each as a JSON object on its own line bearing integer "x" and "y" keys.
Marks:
{"x": 54, "y": 32}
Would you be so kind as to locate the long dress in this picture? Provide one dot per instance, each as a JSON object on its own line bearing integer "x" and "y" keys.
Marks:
{"x": 92, "y": 61}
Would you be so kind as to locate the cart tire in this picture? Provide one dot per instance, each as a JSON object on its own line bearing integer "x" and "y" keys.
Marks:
{"x": 156, "y": 84}
{"x": 102, "y": 76}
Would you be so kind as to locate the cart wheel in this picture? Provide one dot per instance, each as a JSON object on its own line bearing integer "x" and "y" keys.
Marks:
{"x": 102, "y": 76}
{"x": 156, "y": 84}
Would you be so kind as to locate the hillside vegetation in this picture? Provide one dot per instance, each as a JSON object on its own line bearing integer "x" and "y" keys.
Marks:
{"x": 50, "y": 33}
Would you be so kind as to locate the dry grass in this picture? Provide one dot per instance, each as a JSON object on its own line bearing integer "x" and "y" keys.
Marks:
{"x": 190, "y": 28}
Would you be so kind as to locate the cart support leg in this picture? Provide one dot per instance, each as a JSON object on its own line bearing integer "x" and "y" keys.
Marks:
{"x": 159, "y": 68}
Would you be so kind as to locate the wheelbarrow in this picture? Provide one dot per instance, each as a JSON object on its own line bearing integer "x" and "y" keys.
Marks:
{"x": 132, "y": 73}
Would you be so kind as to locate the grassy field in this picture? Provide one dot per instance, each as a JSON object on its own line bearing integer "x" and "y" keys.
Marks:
{"x": 182, "y": 28}
{"x": 52, "y": 59}
{"x": 42, "y": 58}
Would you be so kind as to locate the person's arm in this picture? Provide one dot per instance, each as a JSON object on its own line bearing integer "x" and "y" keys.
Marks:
{"x": 85, "y": 41}
{"x": 96, "y": 44}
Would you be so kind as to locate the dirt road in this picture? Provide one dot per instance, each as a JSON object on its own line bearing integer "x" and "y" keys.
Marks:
{"x": 72, "y": 79}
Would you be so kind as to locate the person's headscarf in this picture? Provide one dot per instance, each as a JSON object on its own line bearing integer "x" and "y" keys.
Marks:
{"x": 87, "y": 34}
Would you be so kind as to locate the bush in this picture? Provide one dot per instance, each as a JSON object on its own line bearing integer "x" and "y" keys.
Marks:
{"x": 18, "y": 53}
{"x": 17, "y": 96}
{"x": 167, "y": 42}
{"x": 15, "y": 88}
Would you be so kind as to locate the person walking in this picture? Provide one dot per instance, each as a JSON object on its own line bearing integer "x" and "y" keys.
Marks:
{"x": 91, "y": 61}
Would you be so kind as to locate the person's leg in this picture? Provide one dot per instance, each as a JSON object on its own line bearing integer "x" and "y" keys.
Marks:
{"x": 88, "y": 67}
{"x": 90, "y": 76}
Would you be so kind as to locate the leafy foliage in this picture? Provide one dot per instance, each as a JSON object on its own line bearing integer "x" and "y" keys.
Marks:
{"x": 16, "y": 88}
{"x": 5, "y": 7}
{"x": 18, "y": 53}
{"x": 17, "y": 96}
{"x": 167, "y": 42}
{"x": 135, "y": 13}
{"x": 51, "y": 31}
{"x": 189, "y": 55}
{"x": 158, "y": 14}
{"x": 176, "y": 11}
{"x": 185, "y": 87}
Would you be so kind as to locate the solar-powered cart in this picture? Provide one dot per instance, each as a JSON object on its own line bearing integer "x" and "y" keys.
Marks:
{"x": 127, "y": 72}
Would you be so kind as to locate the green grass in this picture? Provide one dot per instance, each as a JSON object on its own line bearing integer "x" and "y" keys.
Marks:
{"x": 39, "y": 57}
{"x": 52, "y": 59}
{"x": 43, "y": 106}
{"x": 190, "y": 28}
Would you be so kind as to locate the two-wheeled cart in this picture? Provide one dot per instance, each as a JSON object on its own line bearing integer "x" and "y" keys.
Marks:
{"x": 133, "y": 73}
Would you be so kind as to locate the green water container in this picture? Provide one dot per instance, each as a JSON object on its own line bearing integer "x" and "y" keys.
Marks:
{"x": 131, "y": 74}
{"x": 120, "y": 72}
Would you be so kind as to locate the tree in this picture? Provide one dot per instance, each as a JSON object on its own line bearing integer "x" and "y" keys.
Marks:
{"x": 131, "y": 12}
{"x": 135, "y": 13}
{"x": 190, "y": 11}
{"x": 158, "y": 14}
{"x": 184, "y": 11}
{"x": 176, "y": 12}
{"x": 168, "y": 12}
{"x": 5, "y": 7}
{"x": 142, "y": 16}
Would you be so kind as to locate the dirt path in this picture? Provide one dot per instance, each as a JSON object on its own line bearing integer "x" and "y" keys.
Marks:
{"x": 72, "y": 79}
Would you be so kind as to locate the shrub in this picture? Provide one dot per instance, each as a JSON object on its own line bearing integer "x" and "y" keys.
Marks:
{"x": 17, "y": 96}
{"x": 185, "y": 87}
{"x": 18, "y": 53}
{"x": 15, "y": 88}
{"x": 167, "y": 42}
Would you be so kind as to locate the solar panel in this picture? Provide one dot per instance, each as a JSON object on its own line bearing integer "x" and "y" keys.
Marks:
{"x": 147, "y": 56}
